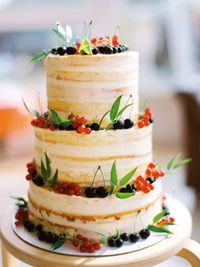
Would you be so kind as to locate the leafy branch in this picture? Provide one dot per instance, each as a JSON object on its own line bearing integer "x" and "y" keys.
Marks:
{"x": 46, "y": 172}
{"x": 160, "y": 229}
{"x": 116, "y": 184}
{"x": 172, "y": 164}
{"x": 58, "y": 121}
{"x": 59, "y": 243}
{"x": 40, "y": 56}
{"x": 85, "y": 48}
{"x": 20, "y": 202}
{"x": 115, "y": 112}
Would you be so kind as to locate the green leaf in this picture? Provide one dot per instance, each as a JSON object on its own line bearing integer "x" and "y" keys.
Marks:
{"x": 112, "y": 187}
{"x": 182, "y": 163}
{"x": 113, "y": 174}
{"x": 159, "y": 216}
{"x": 43, "y": 171}
{"x": 104, "y": 239}
{"x": 127, "y": 177}
{"x": 55, "y": 118}
{"x": 21, "y": 202}
{"x": 124, "y": 195}
{"x": 85, "y": 48}
{"x": 48, "y": 167}
{"x": 54, "y": 179}
{"x": 59, "y": 34}
{"x": 122, "y": 110}
{"x": 39, "y": 56}
{"x": 115, "y": 108}
{"x": 58, "y": 244}
{"x": 31, "y": 110}
{"x": 66, "y": 123}
{"x": 157, "y": 229}
{"x": 172, "y": 160}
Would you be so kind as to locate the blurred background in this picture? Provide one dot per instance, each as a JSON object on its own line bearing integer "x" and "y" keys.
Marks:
{"x": 167, "y": 35}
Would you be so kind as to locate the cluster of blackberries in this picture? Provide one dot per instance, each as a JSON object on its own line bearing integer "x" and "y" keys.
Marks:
{"x": 92, "y": 192}
{"x": 62, "y": 50}
{"x": 38, "y": 180}
{"x": 126, "y": 124}
{"x": 48, "y": 237}
{"x": 109, "y": 49}
{"x": 124, "y": 237}
{"x": 130, "y": 188}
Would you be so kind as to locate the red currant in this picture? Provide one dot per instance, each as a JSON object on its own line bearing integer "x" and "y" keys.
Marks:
{"x": 156, "y": 174}
{"x": 82, "y": 120}
{"x": 140, "y": 124}
{"x": 29, "y": 177}
{"x": 87, "y": 130}
{"x": 80, "y": 129}
{"x": 71, "y": 116}
{"x": 152, "y": 165}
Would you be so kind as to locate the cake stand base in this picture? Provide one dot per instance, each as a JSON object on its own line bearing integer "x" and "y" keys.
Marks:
{"x": 178, "y": 243}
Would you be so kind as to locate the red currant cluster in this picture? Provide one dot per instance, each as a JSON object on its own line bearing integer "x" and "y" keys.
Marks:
{"x": 43, "y": 122}
{"x": 21, "y": 216}
{"x": 85, "y": 245}
{"x": 114, "y": 40}
{"x": 67, "y": 188}
{"x": 79, "y": 124}
{"x": 31, "y": 168}
{"x": 146, "y": 118}
{"x": 143, "y": 185}
{"x": 165, "y": 220}
{"x": 151, "y": 171}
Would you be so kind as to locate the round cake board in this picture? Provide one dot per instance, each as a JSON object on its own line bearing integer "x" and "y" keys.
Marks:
{"x": 68, "y": 249}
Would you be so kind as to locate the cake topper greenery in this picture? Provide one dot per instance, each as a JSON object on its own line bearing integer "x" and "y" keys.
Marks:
{"x": 67, "y": 44}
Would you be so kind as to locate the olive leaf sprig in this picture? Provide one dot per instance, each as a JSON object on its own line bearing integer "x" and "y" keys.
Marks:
{"x": 115, "y": 112}
{"x": 116, "y": 184}
{"x": 173, "y": 164}
{"x": 62, "y": 34}
{"x": 60, "y": 242}
{"x": 58, "y": 121}
{"x": 20, "y": 202}
{"x": 160, "y": 229}
{"x": 46, "y": 172}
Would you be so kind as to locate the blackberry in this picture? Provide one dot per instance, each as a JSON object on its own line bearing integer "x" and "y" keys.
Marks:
{"x": 71, "y": 50}
{"x": 123, "y": 190}
{"x": 61, "y": 50}
{"x": 90, "y": 192}
{"x": 101, "y": 49}
{"x": 119, "y": 242}
{"x": 111, "y": 242}
{"x": 95, "y": 51}
{"x": 38, "y": 181}
{"x": 102, "y": 192}
{"x": 128, "y": 124}
{"x": 151, "y": 180}
{"x": 29, "y": 226}
{"x": 133, "y": 238}
{"x": 144, "y": 233}
{"x": 118, "y": 125}
{"x": 95, "y": 127}
{"x": 108, "y": 50}
{"x": 124, "y": 236}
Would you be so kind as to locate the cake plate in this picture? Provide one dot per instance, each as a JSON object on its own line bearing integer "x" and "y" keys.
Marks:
{"x": 177, "y": 244}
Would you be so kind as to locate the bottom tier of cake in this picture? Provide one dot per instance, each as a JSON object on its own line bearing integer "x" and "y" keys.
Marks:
{"x": 63, "y": 213}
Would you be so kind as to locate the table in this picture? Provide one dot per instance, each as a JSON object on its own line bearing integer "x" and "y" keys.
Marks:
{"x": 178, "y": 244}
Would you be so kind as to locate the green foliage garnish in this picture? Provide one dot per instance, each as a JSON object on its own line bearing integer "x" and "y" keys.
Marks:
{"x": 40, "y": 56}
{"x": 172, "y": 165}
{"x": 31, "y": 110}
{"x": 114, "y": 112}
{"x": 58, "y": 121}
{"x": 113, "y": 174}
{"x": 159, "y": 216}
{"x": 20, "y": 202}
{"x": 115, "y": 185}
{"x": 46, "y": 172}
{"x": 115, "y": 108}
{"x": 58, "y": 243}
{"x": 127, "y": 177}
{"x": 159, "y": 229}
{"x": 124, "y": 195}
{"x": 60, "y": 34}
{"x": 104, "y": 239}
{"x": 85, "y": 48}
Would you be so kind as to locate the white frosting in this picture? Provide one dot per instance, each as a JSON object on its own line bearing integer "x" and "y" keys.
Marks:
{"x": 62, "y": 206}
{"x": 78, "y": 156}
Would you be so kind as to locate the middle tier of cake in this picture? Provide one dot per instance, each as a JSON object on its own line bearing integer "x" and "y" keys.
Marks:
{"x": 78, "y": 156}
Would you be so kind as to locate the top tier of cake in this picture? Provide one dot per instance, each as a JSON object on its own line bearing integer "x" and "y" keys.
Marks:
{"x": 88, "y": 85}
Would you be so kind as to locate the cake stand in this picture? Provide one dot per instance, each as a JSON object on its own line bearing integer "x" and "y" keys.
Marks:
{"x": 178, "y": 244}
